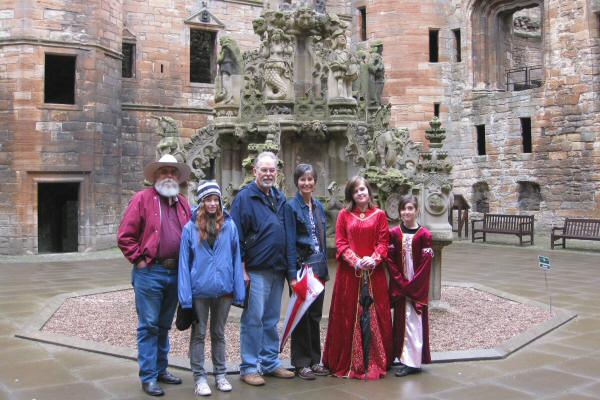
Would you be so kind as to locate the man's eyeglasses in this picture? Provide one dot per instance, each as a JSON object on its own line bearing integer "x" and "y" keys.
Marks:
{"x": 267, "y": 170}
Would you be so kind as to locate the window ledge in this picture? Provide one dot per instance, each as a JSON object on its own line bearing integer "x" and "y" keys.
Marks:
{"x": 202, "y": 85}
{"x": 57, "y": 106}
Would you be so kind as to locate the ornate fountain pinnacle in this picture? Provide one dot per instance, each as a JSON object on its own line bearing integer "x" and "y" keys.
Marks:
{"x": 436, "y": 134}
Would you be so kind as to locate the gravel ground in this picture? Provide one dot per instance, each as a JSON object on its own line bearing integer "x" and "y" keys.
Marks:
{"x": 476, "y": 320}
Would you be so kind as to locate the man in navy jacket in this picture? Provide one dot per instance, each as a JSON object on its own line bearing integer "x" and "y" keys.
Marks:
{"x": 264, "y": 222}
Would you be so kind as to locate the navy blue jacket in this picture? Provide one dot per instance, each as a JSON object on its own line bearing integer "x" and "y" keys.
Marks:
{"x": 304, "y": 242}
{"x": 209, "y": 272}
{"x": 267, "y": 235}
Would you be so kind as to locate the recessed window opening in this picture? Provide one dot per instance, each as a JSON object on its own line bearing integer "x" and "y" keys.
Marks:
{"x": 526, "y": 134}
{"x": 434, "y": 45}
{"x": 363, "y": 23}
{"x": 202, "y": 56}
{"x": 481, "y": 196}
{"x": 128, "y": 50}
{"x": 58, "y": 217}
{"x": 480, "y": 139}
{"x": 530, "y": 196}
{"x": 59, "y": 79}
{"x": 436, "y": 110}
{"x": 457, "y": 45}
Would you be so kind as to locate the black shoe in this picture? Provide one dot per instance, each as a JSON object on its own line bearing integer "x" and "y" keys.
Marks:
{"x": 406, "y": 370}
{"x": 305, "y": 373}
{"x": 152, "y": 388}
{"x": 169, "y": 378}
{"x": 319, "y": 370}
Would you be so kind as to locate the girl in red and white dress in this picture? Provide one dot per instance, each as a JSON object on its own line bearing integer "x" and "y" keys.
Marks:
{"x": 409, "y": 264}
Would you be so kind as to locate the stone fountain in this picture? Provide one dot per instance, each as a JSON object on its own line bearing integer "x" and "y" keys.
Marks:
{"x": 307, "y": 96}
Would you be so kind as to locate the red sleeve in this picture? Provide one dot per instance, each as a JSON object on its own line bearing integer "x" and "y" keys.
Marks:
{"x": 383, "y": 239}
{"x": 342, "y": 243}
{"x": 417, "y": 289}
{"x": 130, "y": 230}
{"x": 394, "y": 261}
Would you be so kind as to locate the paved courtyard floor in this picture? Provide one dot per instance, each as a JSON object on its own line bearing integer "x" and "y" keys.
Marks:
{"x": 564, "y": 364}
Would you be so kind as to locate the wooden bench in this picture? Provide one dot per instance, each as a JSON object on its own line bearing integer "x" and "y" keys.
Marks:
{"x": 576, "y": 228}
{"x": 520, "y": 225}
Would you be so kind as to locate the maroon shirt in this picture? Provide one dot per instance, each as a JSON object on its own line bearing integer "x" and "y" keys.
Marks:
{"x": 170, "y": 230}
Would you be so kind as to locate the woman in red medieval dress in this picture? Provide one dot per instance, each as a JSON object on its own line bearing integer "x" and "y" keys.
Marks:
{"x": 410, "y": 266}
{"x": 362, "y": 242}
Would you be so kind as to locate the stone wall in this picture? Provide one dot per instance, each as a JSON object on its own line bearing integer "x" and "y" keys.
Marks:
{"x": 109, "y": 134}
{"x": 60, "y": 142}
{"x": 565, "y": 156}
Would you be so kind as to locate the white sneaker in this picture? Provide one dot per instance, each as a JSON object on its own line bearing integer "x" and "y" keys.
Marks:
{"x": 223, "y": 384}
{"x": 202, "y": 389}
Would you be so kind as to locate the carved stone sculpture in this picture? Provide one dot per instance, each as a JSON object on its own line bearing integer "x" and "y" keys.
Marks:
{"x": 200, "y": 150}
{"x": 332, "y": 209}
{"x": 296, "y": 99}
{"x": 376, "y": 74}
{"x": 170, "y": 143}
{"x": 278, "y": 66}
{"x": 343, "y": 68}
{"x": 389, "y": 147}
{"x": 229, "y": 61}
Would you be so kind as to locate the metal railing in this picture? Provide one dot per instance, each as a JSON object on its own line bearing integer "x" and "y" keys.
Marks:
{"x": 524, "y": 78}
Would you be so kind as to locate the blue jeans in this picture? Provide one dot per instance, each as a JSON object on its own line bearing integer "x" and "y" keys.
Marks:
{"x": 259, "y": 339}
{"x": 155, "y": 291}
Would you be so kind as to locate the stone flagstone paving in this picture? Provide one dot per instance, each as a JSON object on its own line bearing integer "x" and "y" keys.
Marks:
{"x": 565, "y": 364}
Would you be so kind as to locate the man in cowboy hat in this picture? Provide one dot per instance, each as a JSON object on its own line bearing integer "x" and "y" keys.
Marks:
{"x": 149, "y": 237}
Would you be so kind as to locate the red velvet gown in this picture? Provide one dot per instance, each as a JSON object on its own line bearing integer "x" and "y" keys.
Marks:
{"x": 410, "y": 292}
{"x": 359, "y": 236}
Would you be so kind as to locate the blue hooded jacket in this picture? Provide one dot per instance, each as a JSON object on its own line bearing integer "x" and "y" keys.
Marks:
{"x": 206, "y": 272}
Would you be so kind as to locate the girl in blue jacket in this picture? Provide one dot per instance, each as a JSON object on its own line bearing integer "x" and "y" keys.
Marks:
{"x": 211, "y": 278}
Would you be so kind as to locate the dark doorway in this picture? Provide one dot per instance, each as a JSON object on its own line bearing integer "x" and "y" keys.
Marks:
{"x": 58, "y": 211}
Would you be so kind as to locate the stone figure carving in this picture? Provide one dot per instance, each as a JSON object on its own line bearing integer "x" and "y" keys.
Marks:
{"x": 205, "y": 14}
{"x": 278, "y": 53}
{"x": 230, "y": 64}
{"x": 376, "y": 73}
{"x": 380, "y": 119}
{"x": 343, "y": 67}
{"x": 388, "y": 145}
{"x": 170, "y": 143}
{"x": 359, "y": 142}
{"x": 314, "y": 128}
{"x": 332, "y": 208}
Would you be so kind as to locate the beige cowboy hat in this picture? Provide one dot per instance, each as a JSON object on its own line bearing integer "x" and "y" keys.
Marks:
{"x": 167, "y": 161}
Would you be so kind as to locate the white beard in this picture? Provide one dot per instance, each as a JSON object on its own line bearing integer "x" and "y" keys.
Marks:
{"x": 167, "y": 187}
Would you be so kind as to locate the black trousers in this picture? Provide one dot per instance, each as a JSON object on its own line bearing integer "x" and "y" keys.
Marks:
{"x": 306, "y": 337}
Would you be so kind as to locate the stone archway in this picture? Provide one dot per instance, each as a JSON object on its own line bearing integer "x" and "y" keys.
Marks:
{"x": 492, "y": 29}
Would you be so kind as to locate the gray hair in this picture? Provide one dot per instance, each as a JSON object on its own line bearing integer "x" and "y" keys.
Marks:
{"x": 263, "y": 155}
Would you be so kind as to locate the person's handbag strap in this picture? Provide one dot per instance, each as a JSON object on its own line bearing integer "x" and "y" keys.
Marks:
{"x": 320, "y": 228}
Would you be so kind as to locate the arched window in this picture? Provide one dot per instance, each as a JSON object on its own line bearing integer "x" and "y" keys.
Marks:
{"x": 507, "y": 44}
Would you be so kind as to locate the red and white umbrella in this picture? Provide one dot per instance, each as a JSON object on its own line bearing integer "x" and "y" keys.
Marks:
{"x": 307, "y": 288}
